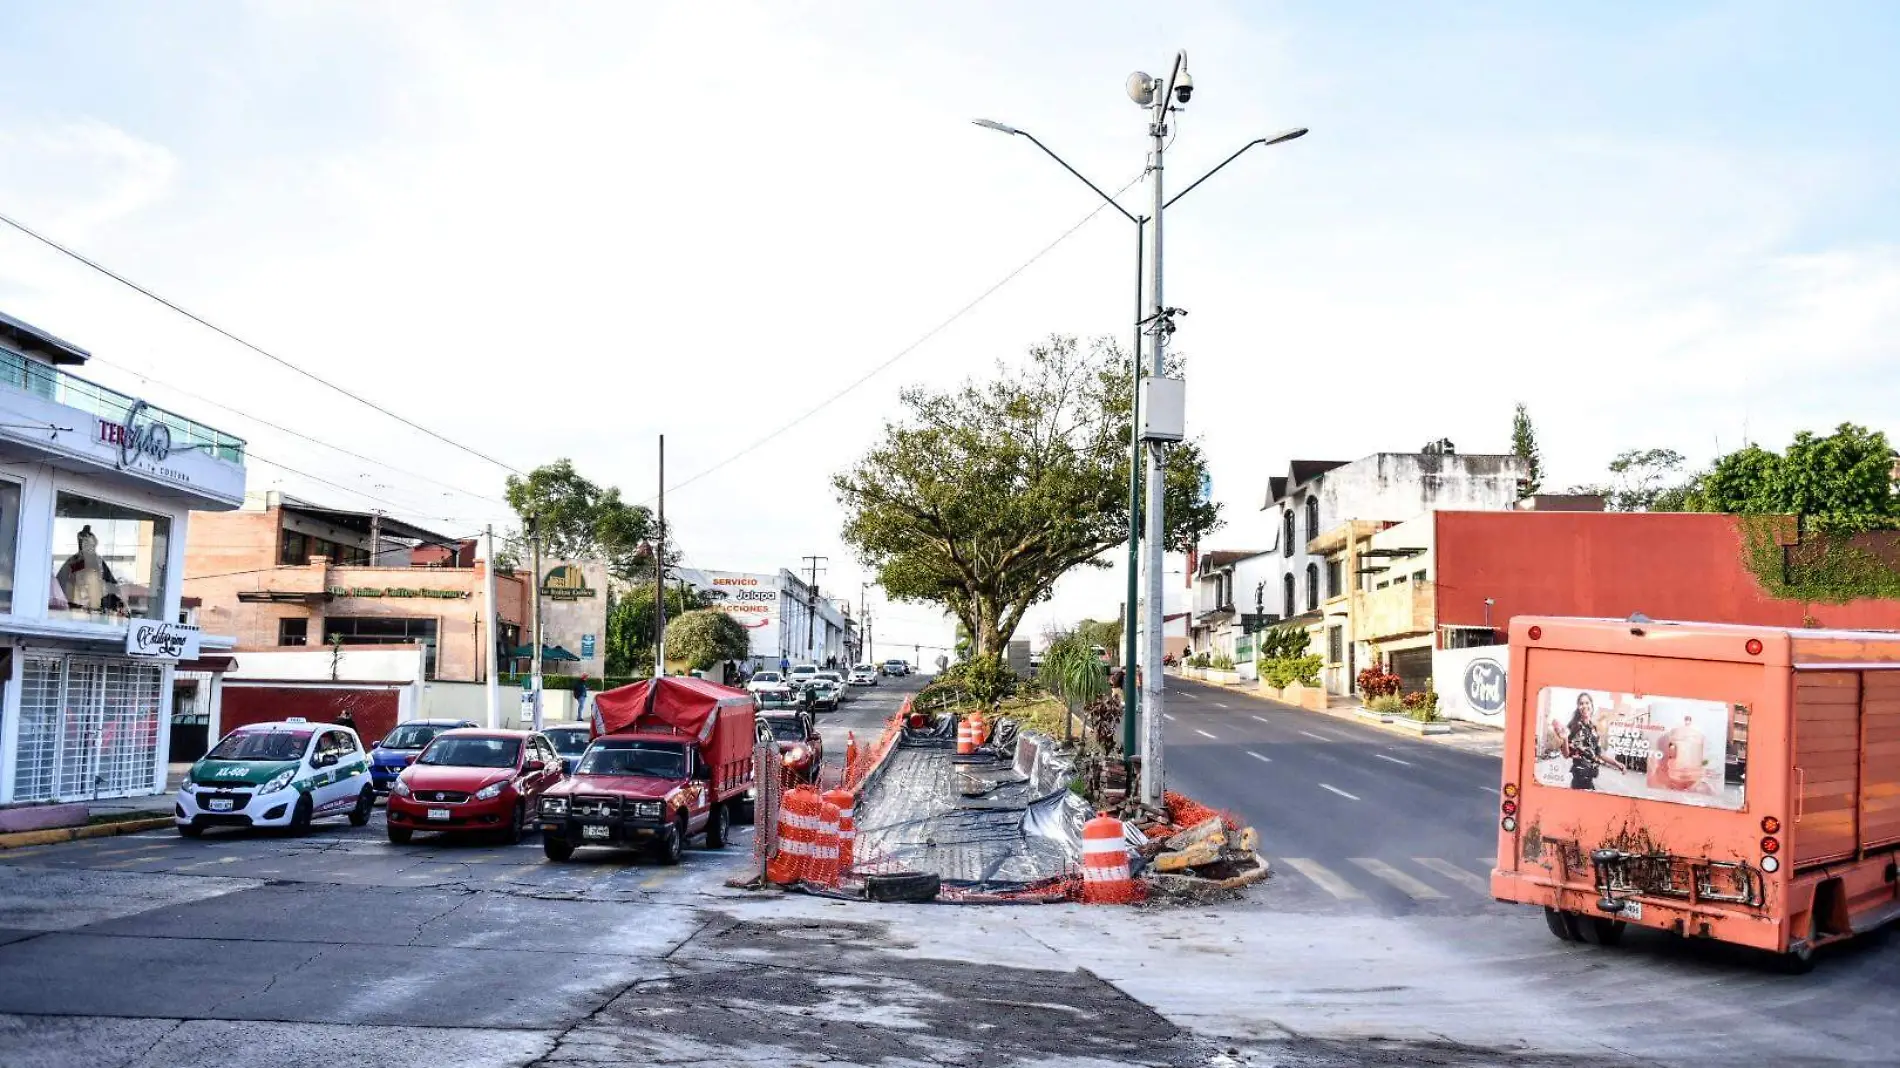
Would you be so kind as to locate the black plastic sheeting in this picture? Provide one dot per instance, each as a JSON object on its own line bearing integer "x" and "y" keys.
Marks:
{"x": 1001, "y": 821}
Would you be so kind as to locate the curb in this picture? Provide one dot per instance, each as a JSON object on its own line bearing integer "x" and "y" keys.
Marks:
{"x": 56, "y": 835}
{"x": 1348, "y": 714}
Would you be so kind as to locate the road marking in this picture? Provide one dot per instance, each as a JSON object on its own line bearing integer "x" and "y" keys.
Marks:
{"x": 1489, "y": 789}
{"x": 1262, "y": 719}
{"x": 1257, "y": 756}
{"x": 1217, "y": 704}
{"x": 1409, "y": 886}
{"x": 1456, "y": 874}
{"x": 1204, "y": 734}
{"x": 206, "y": 863}
{"x": 1337, "y": 790}
{"x": 652, "y": 882}
{"x": 1324, "y": 876}
{"x": 1394, "y": 760}
{"x": 1169, "y": 716}
{"x": 133, "y": 849}
{"x": 1321, "y": 737}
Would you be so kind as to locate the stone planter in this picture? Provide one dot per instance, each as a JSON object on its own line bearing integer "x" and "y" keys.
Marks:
{"x": 1224, "y": 678}
{"x": 1311, "y": 698}
{"x": 1407, "y": 723}
{"x": 1270, "y": 692}
{"x": 1368, "y": 714}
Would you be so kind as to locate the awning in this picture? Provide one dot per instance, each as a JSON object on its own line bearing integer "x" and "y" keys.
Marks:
{"x": 548, "y": 652}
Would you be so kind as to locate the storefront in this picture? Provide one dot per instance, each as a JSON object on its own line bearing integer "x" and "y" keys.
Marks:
{"x": 96, "y": 489}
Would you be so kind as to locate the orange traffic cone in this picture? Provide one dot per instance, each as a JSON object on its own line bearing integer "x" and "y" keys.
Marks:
{"x": 1105, "y": 878}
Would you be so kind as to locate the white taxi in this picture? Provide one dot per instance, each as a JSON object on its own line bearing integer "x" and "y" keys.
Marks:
{"x": 277, "y": 775}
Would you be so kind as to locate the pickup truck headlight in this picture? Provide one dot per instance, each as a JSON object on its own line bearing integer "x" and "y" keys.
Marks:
{"x": 278, "y": 782}
{"x": 401, "y": 789}
{"x": 649, "y": 810}
{"x": 491, "y": 791}
{"x": 554, "y": 806}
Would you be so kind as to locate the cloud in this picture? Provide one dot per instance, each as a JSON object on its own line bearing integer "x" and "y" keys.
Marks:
{"x": 79, "y": 176}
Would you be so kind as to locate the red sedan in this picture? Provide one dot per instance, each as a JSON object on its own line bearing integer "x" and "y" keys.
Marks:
{"x": 474, "y": 780}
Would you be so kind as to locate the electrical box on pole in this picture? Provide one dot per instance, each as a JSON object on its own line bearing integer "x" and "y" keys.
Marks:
{"x": 1163, "y": 408}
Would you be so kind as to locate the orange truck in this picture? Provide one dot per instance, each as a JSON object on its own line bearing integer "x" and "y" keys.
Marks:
{"x": 1725, "y": 782}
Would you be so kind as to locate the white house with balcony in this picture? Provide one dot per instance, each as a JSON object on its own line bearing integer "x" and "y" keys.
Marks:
{"x": 95, "y": 492}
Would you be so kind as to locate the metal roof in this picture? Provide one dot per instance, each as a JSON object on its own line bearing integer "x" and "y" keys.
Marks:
{"x": 31, "y": 339}
{"x": 355, "y": 520}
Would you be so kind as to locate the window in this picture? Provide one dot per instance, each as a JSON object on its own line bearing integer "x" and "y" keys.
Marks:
{"x": 1312, "y": 587}
{"x": 293, "y": 632}
{"x": 1335, "y": 579}
{"x": 385, "y": 630}
{"x": 1335, "y": 644}
{"x": 116, "y": 566}
{"x": 1312, "y": 517}
{"x": 294, "y": 549}
{"x": 1288, "y": 584}
{"x": 335, "y": 744}
{"x": 1418, "y": 576}
{"x": 1470, "y": 637}
{"x": 88, "y": 728}
{"x": 1398, "y": 580}
{"x": 9, "y": 540}
{"x": 1287, "y": 522}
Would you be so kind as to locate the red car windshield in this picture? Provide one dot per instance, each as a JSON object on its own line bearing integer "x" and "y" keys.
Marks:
{"x": 471, "y": 752}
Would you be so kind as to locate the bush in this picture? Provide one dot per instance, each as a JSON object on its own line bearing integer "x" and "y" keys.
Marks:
{"x": 982, "y": 679}
{"x": 1198, "y": 660}
{"x": 1421, "y": 706}
{"x": 1377, "y": 682}
{"x": 1287, "y": 671}
{"x": 1284, "y": 642}
{"x": 1387, "y": 703}
{"x": 1221, "y": 662}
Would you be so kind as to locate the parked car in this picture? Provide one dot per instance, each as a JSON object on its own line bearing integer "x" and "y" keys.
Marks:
{"x": 570, "y": 741}
{"x": 823, "y": 695}
{"x": 474, "y": 780}
{"x": 896, "y": 668}
{"x": 864, "y": 675}
{"x": 799, "y": 743}
{"x": 672, "y": 766}
{"x": 399, "y": 748}
{"x": 281, "y": 774}
{"x": 763, "y": 679}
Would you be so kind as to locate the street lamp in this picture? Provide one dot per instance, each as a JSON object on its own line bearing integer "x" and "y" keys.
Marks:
{"x": 1142, "y": 89}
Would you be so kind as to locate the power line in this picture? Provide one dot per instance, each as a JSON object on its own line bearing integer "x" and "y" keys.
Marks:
{"x": 273, "y": 357}
{"x": 914, "y": 345}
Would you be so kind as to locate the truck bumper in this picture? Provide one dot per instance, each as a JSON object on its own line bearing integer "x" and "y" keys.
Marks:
{"x": 1727, "y": 923}
{"x": 629, "y": 832}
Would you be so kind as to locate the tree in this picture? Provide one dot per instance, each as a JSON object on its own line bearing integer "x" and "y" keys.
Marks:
{"x": 1524, "y": 447}
{"x": 630, "y": 626}
{"x": 705, "y": 636}
{"x": 577, "y": 519}
{"x": 1072, "y": 671}
{"x": 1643, "y": 480}
{"x": 984, "y": 495}
{"x": 1847, "y": 474}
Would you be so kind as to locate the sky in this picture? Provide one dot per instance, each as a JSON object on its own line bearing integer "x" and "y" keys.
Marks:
{"x": 565, "y": 229}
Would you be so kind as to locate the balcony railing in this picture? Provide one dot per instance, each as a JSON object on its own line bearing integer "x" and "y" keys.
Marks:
{"x": 51, "y": 383}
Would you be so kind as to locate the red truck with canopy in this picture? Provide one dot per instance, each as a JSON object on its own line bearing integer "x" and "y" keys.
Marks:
{"x": 671, "y": 758}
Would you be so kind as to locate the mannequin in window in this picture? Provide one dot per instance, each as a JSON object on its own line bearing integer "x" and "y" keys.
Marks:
{"x": 86, "y": 580}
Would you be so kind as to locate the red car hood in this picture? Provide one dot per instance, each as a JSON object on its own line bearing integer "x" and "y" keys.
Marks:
{"x": 636, "y": 787}
{"x": 441, "y": 777}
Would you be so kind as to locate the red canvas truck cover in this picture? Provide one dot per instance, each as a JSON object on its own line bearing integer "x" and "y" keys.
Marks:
{"x": 718, "y": 719}
{"x": 1727, "y": 782}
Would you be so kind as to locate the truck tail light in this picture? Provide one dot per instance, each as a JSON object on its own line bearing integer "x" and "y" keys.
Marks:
{"x": 1510, "y": 824}
{"x": 1510, "y": 808}
{"x": 1771, "y": 865}
{"x": 1771, "y": 845}
{"x": 1510, "y": 789}
{"x": 1753, "y": 647}
{"x": 1770, "y": 825}
{"x": 1537, "y": 634}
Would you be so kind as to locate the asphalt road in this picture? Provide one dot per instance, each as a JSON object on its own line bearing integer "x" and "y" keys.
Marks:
{"x": 1352, "y": 817}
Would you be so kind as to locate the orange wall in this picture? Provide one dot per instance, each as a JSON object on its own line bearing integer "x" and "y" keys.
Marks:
{"x": 1612, "y": 564}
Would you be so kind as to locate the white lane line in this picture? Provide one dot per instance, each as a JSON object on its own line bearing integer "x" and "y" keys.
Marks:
{"x": 1407, "y": 885}
{"x": 1169, "y": 716}
{"x": 1204, "y": 734}
{"x": 1337, "y": 790}
{"x": 1257, "y": 756}
{"x": 1262, "y": 719}
{"x": 1489, "y": 789}
{"x": 1321, "y": 737}
{"x": 1217, "y": 704}
{"x": 1394, "y": 760}
{"x": 1456, "y": 874}
{"x": 1325, "y": 877}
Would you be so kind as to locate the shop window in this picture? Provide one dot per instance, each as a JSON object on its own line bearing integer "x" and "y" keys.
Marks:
{"x": 1312, "y": 587}
{"x": 88, "y": 728}
{"x": 9, "y": 540}
{"x": 1312, "y": 518}
{"x": 1287, "y": 589}
{"x": 1335, "y": 579}
{"x": 384, "y": 630}
{"x": 108, "y": 561}
{"x": 293, "y": 632}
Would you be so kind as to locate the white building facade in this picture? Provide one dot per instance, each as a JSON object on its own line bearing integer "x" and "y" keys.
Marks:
{"x": 785, "y": 616}
{"x": 96, "y": 489}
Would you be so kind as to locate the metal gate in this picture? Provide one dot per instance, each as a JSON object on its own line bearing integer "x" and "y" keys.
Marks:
{"x": 89, "y": 728}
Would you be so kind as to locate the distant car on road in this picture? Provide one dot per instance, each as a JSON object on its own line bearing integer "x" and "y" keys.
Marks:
{"x": 762, "y": 679}
{"x": 896, "y": 668}
{"x": 802, "y": 674}
{"x": 277, "y": 775}
{"x": 570, "y": 741}
{"x": 474, "y": 780}
{"x": 823, "y": 695}
{"x": 864, "y": 675}
{"x": 799, "y": 742}
{"x": 400, "y": 747}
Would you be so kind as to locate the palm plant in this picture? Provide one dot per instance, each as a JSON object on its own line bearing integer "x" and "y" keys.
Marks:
{"x": 1072, "y": 672}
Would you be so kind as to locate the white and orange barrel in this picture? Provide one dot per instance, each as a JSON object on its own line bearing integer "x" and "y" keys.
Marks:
{"x": 966, "y": 736}
{"x": 847, "y": 828}
{"x": 1105, "y": 878}
{"x": 796, "y": 824}
{"x": 979, "y": 730}
{"x": 824, "y": 854}
{"x": 850, "y": 750}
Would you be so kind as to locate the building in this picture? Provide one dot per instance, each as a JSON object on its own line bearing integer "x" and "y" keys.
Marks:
{"x": 286, "y": 573}
{"x": 786, "y": 616}
{"x": 98, "y": 492}
{"x": 1222, "y": 594}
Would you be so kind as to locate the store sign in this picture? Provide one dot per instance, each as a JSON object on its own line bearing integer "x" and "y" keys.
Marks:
{"x": 1484, "y": 685}
{"x": 153, "y": 640}
{"x": 1473, "y": 684}
{"x": 150, "y": 440}
{"x": 396, "y": 591}
{"x": 566, "y": 583}
{"x": 587, "y": 647}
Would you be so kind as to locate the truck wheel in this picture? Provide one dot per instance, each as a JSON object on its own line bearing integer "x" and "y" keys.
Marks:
{"x": 743, "y": 812}
{"x": 673, "y": 846}
{"x": 718, "y": 823}
{"x": 365, "y": 804}
{"x": 1562, "y": 924}
{"x": 400, "y": 835}
{"x": 1599, "y": 930}
{"x": 1797, "y": 961}
{"x": 556, "y": 848}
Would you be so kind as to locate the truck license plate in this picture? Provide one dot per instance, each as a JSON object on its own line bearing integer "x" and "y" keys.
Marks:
{"x": 438, "y": 813}
{"x": 594, "y": 832}
{"x": 1632, "y": 910}
{"x": 220, "y": 804}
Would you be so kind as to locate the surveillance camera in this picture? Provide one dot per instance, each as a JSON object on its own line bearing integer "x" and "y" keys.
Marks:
{"x": 1184, "y": 88}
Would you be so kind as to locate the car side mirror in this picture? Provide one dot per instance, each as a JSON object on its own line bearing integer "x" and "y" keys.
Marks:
{"x": 534, "y": 765}
{"x": 375, "y": 743}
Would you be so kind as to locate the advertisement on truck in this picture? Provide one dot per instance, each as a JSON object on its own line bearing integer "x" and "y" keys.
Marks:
{"x": 1630, "y": 745}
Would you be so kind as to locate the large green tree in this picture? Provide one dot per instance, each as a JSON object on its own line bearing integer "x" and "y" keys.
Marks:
{"x": 1846, "y": 474}
{"x": 1524, "y": 447}
{"x": 576, "y": 518}
{"x": 630, "y": 623}
{"x": 705, "y": 636}
{"x": 979, "y": 498}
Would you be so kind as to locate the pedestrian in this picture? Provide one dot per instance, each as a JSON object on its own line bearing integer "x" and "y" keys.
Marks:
{"x": 344, "y": 719}
{"x": 784, "y": 665}
{"x": 580, "y": 697}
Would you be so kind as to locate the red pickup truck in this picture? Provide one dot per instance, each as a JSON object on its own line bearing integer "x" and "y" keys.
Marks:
{"x": 671, "y": 758}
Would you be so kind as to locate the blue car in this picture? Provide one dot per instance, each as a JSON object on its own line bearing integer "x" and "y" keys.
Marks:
{"x": 570, "y": 740}
{"x": 400, "y": 749}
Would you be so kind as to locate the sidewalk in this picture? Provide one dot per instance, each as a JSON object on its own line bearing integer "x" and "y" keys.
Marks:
{"x": 1471, "y": 737}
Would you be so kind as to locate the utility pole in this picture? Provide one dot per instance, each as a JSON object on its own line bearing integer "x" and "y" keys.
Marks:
{"x": 659, "y": 576}
{"x": 811, "y": 610}
{"x": 534, "y": 596}
{"x": 491, "y": 629}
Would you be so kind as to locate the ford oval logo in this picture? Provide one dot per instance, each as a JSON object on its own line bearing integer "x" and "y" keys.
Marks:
{"x": 1484, "y": 685}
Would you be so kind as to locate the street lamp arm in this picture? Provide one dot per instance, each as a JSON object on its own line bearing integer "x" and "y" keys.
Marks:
{"x": 1000, "y": 128}
{"x": 1296, "y": 132}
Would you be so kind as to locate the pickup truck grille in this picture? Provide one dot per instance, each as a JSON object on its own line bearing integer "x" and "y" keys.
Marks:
{"x": 596, "y": 807}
